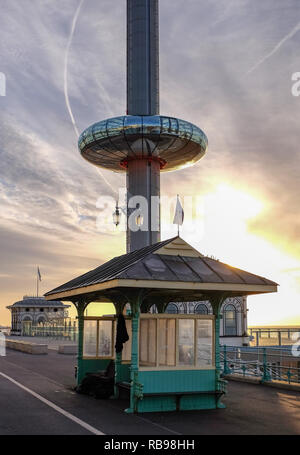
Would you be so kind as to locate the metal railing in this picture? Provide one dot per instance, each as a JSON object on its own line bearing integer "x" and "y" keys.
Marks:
{"x": 270, "y": 336}
{"x": 62, "y": 332}
{"x": 268, "y": 364}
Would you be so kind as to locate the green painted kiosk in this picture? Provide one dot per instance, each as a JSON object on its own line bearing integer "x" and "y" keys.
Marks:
{"x": 171, "y": 361}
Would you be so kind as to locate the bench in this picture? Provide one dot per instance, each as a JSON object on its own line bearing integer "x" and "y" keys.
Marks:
{"x": 178, "y": 395}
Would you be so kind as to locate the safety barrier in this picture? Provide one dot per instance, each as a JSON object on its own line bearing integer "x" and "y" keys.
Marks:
{"x": 268, "y": 364}
{"x": 68, "y": 349}
{"x": 28, "y": 348}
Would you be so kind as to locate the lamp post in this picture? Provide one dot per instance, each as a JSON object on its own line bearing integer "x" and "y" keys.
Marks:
{"x": 117, "y": 216}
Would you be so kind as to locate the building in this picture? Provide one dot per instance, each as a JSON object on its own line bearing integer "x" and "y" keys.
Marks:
{"x": 233, "y": 327}
{"x": 34, "y": 311}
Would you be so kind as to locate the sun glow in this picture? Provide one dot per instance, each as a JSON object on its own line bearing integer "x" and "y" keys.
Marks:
{"x": 221, "y": 227}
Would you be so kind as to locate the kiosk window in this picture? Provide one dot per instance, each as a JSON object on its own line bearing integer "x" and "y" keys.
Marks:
{"x": 204, "y": 342}
{"x": 186, "y": 336}
{"x": 176, "y": 341}
{"x": 90, "y": 339}
{"x": 105, "y": 335}
{"x": 166, "y": 342}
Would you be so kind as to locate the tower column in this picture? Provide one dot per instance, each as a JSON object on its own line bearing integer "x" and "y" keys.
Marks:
{"x": 143, "y": 191}
{"x": 142, "y": 57}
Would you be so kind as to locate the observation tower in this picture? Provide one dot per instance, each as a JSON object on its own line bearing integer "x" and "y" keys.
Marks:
{"x": 143, "y": 143}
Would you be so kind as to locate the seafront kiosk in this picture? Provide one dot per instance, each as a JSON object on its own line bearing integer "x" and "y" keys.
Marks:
{"x": 171, "y": 362}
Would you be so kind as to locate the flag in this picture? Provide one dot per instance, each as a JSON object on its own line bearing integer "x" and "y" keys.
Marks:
{"x": 179, "y": 213}
{"x": 39, "y": 274}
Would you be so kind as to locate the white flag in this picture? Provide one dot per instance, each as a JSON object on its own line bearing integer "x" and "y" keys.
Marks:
{"x": 39, "y": 274}
{"x": 179, "y": 213}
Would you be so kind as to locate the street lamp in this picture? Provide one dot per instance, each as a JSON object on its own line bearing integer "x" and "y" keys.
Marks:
{"x": 117, "y": 216}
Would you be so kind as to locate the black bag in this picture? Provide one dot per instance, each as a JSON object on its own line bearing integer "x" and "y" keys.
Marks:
{"x": 99, "y": 385}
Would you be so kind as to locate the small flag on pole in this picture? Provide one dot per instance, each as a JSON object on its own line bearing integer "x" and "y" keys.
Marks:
{"x": 39, "y": 274}
{"x": 179, "y": 214}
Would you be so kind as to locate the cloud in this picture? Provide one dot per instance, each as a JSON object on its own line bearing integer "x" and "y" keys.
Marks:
{"x": 48, "y": 193}
{"x": 276, "y": 48}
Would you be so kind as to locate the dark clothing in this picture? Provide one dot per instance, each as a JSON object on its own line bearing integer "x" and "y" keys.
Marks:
{"x": 122, "y": 335}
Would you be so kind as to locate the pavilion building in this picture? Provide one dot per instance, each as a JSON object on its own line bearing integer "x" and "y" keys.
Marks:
{"x": 32, "y": 311}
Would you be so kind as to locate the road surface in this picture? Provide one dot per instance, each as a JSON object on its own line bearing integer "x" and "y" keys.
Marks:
{"x": 37, "y": 397}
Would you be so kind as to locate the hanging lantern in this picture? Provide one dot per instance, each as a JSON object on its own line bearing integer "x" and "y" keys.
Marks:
{"x": 116, "y": 216}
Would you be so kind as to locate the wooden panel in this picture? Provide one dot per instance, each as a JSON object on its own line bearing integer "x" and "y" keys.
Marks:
{"x": 178, "y": 380}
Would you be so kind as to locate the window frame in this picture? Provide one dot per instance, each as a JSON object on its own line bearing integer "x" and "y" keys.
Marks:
{"x": 194, "y": 317}
{"x": 173, "y": 304}
{"x": 203, "y": 305}
{"x": 229, "y": 304}
{"x": 114, "y": 320}
{"x": 97, "y": 319}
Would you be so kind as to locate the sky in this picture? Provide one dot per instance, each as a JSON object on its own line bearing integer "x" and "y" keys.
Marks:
{"x": 225, "y": 65}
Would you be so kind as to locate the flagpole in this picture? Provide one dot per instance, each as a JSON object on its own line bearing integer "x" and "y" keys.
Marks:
{"x": 179, "y": 215}
{"x": 37, "y": 283}
{"x": 178, "y": 223}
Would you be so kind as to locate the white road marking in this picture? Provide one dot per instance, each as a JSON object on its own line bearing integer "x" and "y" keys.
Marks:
{"x": 108, "y": 403}
{"x": 56, "y": 408}
{"x": 160, "y": 426}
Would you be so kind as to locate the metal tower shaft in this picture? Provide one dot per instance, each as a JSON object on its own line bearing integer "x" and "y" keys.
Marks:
{"x": 142, "y": 57}
{"x": 143, "y": 175}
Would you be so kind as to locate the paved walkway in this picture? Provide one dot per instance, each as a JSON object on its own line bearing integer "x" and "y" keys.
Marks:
{"x": 251, "y": 409}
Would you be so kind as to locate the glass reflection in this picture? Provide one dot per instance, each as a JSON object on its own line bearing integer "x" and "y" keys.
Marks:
{"x": 132, "y": 125}
{"x": 204, "y": 342}
{"x": 105, "y": 337}
{"x": 174, "y": 125}
{"x": 186, "y": 342}
{"x": 151, "y": 125}
{"x": 115, "y": 126}
{"x": 172, "y": 139}
{"x": 90, "y": 339}
{"x": 99, "y": 130}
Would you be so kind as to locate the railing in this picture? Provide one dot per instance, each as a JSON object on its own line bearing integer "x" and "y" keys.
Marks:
{"x": 69, "y": 333}
{"x": 273, "y": 337}
{"x": 268, "y": 364}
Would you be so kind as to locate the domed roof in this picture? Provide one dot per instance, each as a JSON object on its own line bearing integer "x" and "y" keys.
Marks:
{"x": 29, "y": 301}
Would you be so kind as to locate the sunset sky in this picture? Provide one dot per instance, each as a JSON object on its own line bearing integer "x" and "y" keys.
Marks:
{"x": 225, "y": 65}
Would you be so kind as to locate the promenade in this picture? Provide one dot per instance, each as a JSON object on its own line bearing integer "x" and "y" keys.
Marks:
{"x": 37, "y": 397}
